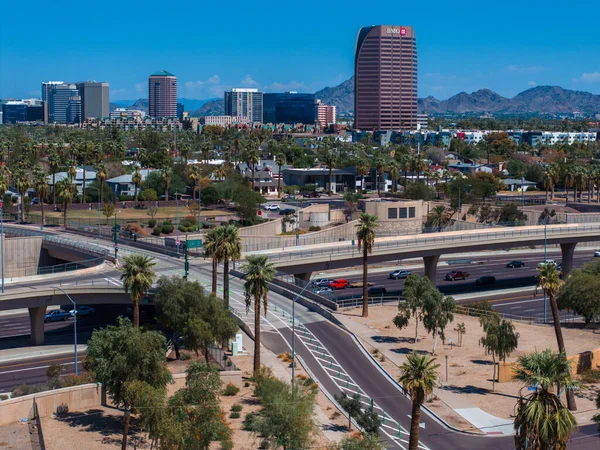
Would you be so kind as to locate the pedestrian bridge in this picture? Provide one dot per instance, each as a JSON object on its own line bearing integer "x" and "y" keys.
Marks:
{"x": 302, "y": 261}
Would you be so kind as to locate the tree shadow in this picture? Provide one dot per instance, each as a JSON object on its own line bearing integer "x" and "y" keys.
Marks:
{"x": 334, "y": 427}
{"x": 98, "y": 421}
{"x": 391, "y": 339}
{"x": 406, "y": 351}
{"x": 466, "y": 389}
{"x": 482, "y": 362}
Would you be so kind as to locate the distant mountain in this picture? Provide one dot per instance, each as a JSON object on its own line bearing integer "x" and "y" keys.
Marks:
{"x": 341, "y": 96}
{"x": 189, "y": 104}
{"x": 211, "y": 108}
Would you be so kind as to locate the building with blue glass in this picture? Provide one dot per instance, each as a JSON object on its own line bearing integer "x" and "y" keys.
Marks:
{"x": 13, "y": 112}
{"x": 64, "y": 104}
{"x": 289, "y": 108}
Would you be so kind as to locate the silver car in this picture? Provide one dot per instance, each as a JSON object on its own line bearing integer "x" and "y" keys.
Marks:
{"x": 399, "y": 274}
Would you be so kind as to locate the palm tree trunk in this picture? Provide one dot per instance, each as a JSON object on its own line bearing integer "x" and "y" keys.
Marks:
{"x": 365, "y": 311}
{"x": 256, "y": 335}
{"x": 416, "y": 328}
{"x": 561, "y": 347}
{"x": 53, "y": 187}
{"x": 125, "y": 429}
{"x": 252, "y": 177}
{"x": 101, "y": 191}
{"x": 226, "y": 283}
{"x": 84, "y": 166}
{"x": 136, "y": 192}
{"x": 415, "y": 418}
{"x": 136, "y": 313}
{"x": 65, "y": 216}
{"x": 494, "y": 372}
{"x": 215, "y": 273}
{"x": 42, "y": 208}
{"x": 279, "y": 184}
{"x": 330, "y": 179}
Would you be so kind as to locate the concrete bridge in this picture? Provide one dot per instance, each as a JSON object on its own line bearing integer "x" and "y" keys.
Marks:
{"x": 302, "y": 261}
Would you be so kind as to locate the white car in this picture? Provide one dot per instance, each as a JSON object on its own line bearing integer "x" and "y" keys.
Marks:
{"x": 323, "y": 290}
{"x": 597, "y": 254}
{"x": 83, "y": 311}
{"x": 272, "y": 207}
{"x": 399, "y": 274}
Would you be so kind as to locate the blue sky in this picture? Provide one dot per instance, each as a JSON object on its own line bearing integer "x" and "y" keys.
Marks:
{"x": 506, "y": 46}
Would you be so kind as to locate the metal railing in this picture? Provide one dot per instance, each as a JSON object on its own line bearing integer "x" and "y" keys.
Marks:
{"x": 378, "y": 300}
{"x": 222, "y": 359}
{"x": 457, "y": 237}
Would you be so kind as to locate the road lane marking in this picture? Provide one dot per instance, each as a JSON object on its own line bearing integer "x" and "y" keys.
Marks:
{"x": 35, "y": 368}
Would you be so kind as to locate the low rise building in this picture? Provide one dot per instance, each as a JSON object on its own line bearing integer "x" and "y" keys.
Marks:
{"x": 223, "y": 121}
{"x": 395, "y": 217}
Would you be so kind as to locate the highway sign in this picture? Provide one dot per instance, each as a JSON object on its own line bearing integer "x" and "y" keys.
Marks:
{"x": 194, "y": 243}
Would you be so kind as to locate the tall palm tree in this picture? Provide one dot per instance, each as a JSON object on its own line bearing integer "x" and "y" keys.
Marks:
{"x": 394, "y": 172}
{"x": 327, "y": 156}
{"x": 136, "y": 179}
{"x": 85, "y": 150}
{"x": 101, "y": 176}
{"x": 365, "y": 233}
{"x": 22, "y": 181}
{"x": 542, "y": 422}
{"x": 42, "y": 188}
{"x": 137, "y": 275}
{"x": 166, "y": 179}
{"x": 54, "y": 162}
{"x": 439, "y": 217}
{"x": 195, "y": 174}
{"x": 549, "y": 281}
{"x": 419, "y": 376}
{"x": 229, "y": 250}
{"x": 280, "y": 161}
{"x": 220, "y": 172}
{"x": 362, "y": 169}
{"x": 212, "y": 244}
{"x": 252, "y": 158}
{"x": 66, "y": 191}
{"x": 259, "y": 272}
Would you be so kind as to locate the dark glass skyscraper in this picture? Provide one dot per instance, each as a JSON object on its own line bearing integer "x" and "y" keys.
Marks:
{"x": 289, "y": 108}
{"x": 385, "y": 78}
{"x": 64, "y": 104}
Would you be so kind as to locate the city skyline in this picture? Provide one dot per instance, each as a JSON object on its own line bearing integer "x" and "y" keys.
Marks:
{"x": 460, "y": 50}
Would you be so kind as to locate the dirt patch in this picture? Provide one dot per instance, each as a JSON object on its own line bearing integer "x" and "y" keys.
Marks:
{"x": 15, "y": 437}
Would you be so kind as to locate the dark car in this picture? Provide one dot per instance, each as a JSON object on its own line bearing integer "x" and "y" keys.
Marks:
{"x": 481, "y": 281}
{"x": 457, "y": 275}
{"x": 377, "y": 290}
{"x": 56, "y": 315}
{"x": 514, "y": 264}
{"x": 311, "y": 195}
{"x": 286, "y": 212}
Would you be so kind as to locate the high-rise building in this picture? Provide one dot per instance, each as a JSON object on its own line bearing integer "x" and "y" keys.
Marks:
{"x": 180, "y": 111}
{"x": 244, "y": 102}
{"x": 326, "y": 114}
{"x": 46, "y": 88}
{"x": 64, "y": 104}
{"x": 162, "y": 93}
{"x": 94, "y": 99}
{"x": 385, "y": 78}
{"x": 14, "y": 111}
{"x": 289, "y": 108}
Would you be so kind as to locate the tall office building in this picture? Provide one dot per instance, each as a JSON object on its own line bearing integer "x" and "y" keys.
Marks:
{"x": 244, "y": 102}
{"x": 385, "y": 78}
{"x": 94, "y": 99}
{"x": 64, "y": 104}
{"x": 326, "y": 114}
{"x": 162, "y": 93}
{"x": 289, "y": 108}
{"x": 46, "y": 88}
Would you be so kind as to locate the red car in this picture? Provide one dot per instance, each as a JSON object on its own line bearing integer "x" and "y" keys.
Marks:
{"x": 457, "y": 275}
{"x": 339, "y": 284}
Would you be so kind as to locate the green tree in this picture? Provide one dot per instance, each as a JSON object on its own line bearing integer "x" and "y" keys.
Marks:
{"x": 230, "y": 249}
{"x": 328, "y": 156}
{"x": 54, "y": 161}
{"x": 365, "y": 233}
{"x": 108, "y": 210}
{"x": 438, "y": 312}
{"x": 42, "y": 188}
{"x": 416, "y": 289}
{"x": 246, "y": 203}
{"x": 66, "y": 191}
{"x": 542, "y": 422}
{"x": 581, "y": 292}
{"x": 137, "y": 275}
{"x": 21, "y": 178}
{"x": 166, "y": 179}
{"x": 439, "y": 217}
{"x": 366, "y": 442}
{"x": 418, "y": 378}
{"x": 120, "y": 355}
{"x": 500, "y": 339}
{"x": 549, "y": 281}
{"x": 280, "y": 160}
{"x": 351, "y": 405}
{"x": 136, "y": 179}
{"x": 211, "y": 245}
{"x": 259, "y": 272}
{"x": 195, "y": 175}
{"x": 101, "y": 176}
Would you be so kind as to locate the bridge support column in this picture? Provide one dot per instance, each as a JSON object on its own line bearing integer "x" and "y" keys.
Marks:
{"x": 431, "y": 267}
{"x": 304, "y": 276}
{"x": 36, "y": 322}
{"x": 567, "y": 251}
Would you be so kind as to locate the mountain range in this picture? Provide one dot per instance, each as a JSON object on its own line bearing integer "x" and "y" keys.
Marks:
{"x": 189, "y": 104}
{"x": 539, "y": 99}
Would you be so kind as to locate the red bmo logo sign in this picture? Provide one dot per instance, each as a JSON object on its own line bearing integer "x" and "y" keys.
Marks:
{"x": 402, "y": 31}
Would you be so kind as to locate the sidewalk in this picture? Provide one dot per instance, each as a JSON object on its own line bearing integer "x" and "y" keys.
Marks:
{"x": 476, "y": 417}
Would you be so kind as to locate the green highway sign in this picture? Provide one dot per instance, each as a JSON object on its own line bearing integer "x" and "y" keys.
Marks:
{"x": 195, "y": 243}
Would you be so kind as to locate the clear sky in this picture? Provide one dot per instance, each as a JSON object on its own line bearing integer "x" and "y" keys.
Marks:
{"x": 507, "y": 46}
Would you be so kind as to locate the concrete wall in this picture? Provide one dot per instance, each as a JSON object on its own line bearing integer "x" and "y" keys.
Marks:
{"x": 22, "y": 256}
{"x": 80, "y": 398}
{"x": 396, "y": 225}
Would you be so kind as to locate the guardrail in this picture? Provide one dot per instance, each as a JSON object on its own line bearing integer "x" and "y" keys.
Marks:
{"x": 381, "y": 300}
{"x": 474, "y": 236}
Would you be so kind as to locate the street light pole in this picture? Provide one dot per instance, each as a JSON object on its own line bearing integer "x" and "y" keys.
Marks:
{"x": 2, "y": 240}
{"x": 74, "y": 327}
{"x": 99, "y": 221}
{"x": 545, "y": 259}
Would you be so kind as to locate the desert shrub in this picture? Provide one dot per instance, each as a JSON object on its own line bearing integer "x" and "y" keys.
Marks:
{"x": 230, "y": 390}
{"x": 193, "y": 220}
{"x": 235, "y": 415}
{"x": 236, "y": 407}
{"x": 156, "y": 231}
{"x": 26, "y": 389}
{"x": 152, "y": 223}
{"x": 313, "y": 228}
{"x": 227, "y": 444}
{"x": 264, "y": 444}
{"x": 134, "y": 227}
{"x": 185, "y": 356}
{"x": 250, "y": 421}
{"x": 62, "y": 409}
{"x": 590, "y": 376}
{"x": 3, "y": 397}
{"x": 76, "y": 380}
{"x": 167, "y": 227}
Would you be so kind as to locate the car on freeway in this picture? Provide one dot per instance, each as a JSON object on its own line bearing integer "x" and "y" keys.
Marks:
{"x": 513, "y": 264}
{"x": 82, "y": 311}
{"x": 597, "y": 254}
{"x": 487, "y": 279}
{"x": 56, "y": 315}
{"x": 339, "y": 284}
{"x": 549, "y": 261}
{"x": 322, "y": 282}
{"x": 323, "y": 290}
{"x": 286, "y": 211}
{"x": 400, "y": 273}
{"x": 377, "y": 290}
{"x": 311, "y": 195}
{"x": 457, "y": 275}
{"x": 272, "y": 207}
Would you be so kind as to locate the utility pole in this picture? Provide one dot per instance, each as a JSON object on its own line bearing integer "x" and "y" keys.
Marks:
{"x": 116, "y": 237}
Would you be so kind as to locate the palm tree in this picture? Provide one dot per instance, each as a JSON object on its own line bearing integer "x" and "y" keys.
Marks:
{"x": 280, "y": 161}
{"x": 101, "y": 175}
{"x": 549, "y": 281}
{"x": 230, "y": 249}
{"x": 4, "y": 180}
{"x": 66, "y": 191}
{"x": 212, "y": 244}
{"x": 365, "y": 233}
{"x": 542, "y": 422}
{"x": 394, "y": 173}
{"x": 418, "y": 378}
{"x": 166, "y": 178}
{"x": 362, "y": 169}
{"x": 85, "y": 150}
{"x": 252, "y": 158}
{"x": 220, "y": 172}
{"x": 259, "y": 272}
{"x": 136, "y": 179}
{"x": 137, "y": 275}
{"x": 21, "y": 178}
{"x": 54, "y": 163}
{"x": 439, "y": 217}
{"x": 195, "y": 174}
{"x": 42, "y": 188}
{"x": 327, "y": 156}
